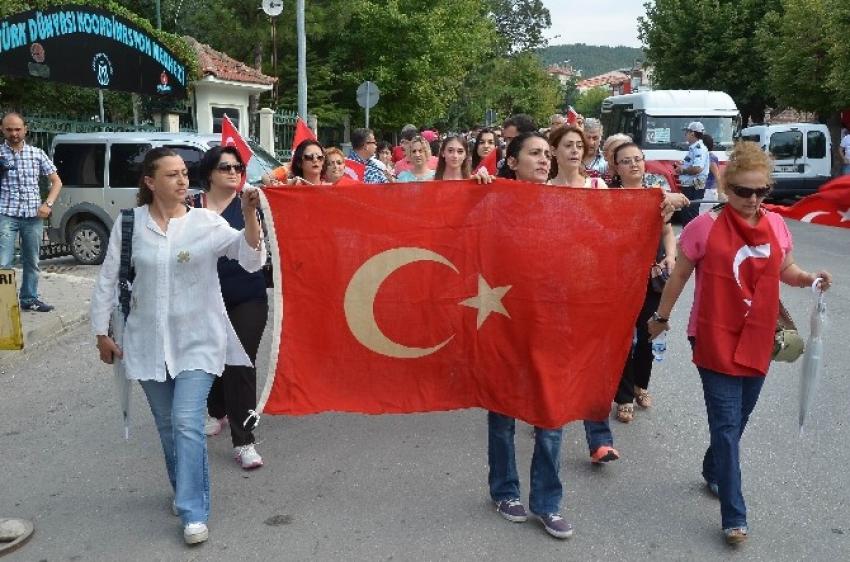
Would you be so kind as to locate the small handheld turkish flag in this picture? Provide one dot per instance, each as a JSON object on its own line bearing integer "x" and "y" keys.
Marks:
{"x": 830, "y": 206}
{"x": 354, "y": 170}
{"x": 572, "y": 116}
{"x": 302, "y": 133}
{"x": 489, "y": 162}
{"x": 231, "y": 137}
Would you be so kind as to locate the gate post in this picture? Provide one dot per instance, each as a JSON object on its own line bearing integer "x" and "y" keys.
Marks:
{"x": 267, "y": 129}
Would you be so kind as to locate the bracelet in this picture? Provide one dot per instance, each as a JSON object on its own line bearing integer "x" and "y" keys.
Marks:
{"x": 659, "y": 319}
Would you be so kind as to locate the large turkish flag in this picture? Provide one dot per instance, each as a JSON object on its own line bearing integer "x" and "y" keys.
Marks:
{"x": 514, "y": 297}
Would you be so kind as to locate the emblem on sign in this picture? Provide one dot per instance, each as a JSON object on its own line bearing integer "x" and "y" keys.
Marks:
{"x": 102, "y": 67}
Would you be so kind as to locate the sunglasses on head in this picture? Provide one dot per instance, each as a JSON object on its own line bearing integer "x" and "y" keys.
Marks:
{"x": 314, "y": 157}
{"x": 238, "y": 168}
{"x": 747, "y": 192}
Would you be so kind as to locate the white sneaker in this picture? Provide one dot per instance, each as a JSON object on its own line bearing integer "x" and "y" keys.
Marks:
{"x": 195, "y": 533}
{"x": 247, "y": 456}
{"x": 212, "y": 426}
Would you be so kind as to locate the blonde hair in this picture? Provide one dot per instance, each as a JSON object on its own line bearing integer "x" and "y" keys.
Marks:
{"x": 333, "y": 150}
{"x": 426, "y": 146}
{"x": 615, "y": 139}
{"x": 747, "y": 156}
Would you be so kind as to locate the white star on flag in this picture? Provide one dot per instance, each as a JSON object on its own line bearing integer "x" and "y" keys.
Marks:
{"x": 488, "y": 300}
{"x": 845, "y": 215}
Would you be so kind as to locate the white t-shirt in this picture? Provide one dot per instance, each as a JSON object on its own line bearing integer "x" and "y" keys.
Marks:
{"x": 845, "y": 146}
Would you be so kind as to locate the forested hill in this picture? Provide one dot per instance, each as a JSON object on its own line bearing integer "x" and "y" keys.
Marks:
{"x": 591, "y": 59}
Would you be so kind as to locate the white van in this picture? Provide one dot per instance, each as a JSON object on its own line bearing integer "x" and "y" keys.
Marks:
{"x": 100, "y": 176}
{"x": 802, "y": 155}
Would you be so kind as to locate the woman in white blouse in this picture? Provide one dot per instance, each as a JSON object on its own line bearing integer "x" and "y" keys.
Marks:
{"x": 177, "y": 337}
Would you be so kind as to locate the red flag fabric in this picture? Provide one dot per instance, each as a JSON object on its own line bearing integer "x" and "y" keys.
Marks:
{"x": 514, "y": 297}
{"x": 830, "y": 206}
{"x": 489, "y": 163}
{"x": 231, "y": 137}
{"x": 354, "y": 170}
{"x": 572, "y": 116}
{"x": 735, "y": 335}
{"x": 302, "y": 133}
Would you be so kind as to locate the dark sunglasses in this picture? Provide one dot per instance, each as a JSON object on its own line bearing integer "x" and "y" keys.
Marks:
{"x": 238, "y": 168}
{"x": 747, "y": 192}
{"x": 314, "y": 157}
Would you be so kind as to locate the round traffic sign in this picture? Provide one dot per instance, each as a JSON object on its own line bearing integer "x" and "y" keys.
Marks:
{"x": 368, "y": 94}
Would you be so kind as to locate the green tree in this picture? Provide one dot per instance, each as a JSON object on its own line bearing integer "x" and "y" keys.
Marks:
{"x": 509, "y": 85}
{"x": 589, "y": 103}
{"x": 710, "y": 44}
{"x": 520, "y": 24}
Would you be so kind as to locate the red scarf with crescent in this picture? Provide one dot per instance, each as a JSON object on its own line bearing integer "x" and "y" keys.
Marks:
{"x": 739, "y": 296}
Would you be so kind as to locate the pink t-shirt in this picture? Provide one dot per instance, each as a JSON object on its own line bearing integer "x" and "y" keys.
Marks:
{"x": 693, "y": 240}
{"x": 403, "y": 164}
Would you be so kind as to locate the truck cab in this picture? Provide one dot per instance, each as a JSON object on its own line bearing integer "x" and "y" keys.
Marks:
{"x": 802, "y": 154}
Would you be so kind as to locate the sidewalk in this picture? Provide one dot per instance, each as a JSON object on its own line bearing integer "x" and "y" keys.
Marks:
{"x": 70, "y": 294}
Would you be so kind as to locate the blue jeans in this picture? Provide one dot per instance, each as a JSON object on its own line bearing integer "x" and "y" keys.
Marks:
{"x": 30, "y": 229}
{"x": 179, "y": 406}
{"x": 598, "y": 433}
{"x": 728, "y": 401}
{"x": 546, "y": 488}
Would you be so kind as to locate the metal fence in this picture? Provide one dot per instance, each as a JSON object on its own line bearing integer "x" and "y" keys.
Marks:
{"x": 41, "y": 129}
{"x": 284, "y": 133}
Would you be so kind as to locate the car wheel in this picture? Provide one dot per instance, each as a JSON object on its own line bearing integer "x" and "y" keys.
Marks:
{"x": 88, "y": 243}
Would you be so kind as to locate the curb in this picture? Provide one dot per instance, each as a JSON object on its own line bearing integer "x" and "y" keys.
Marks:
{"x": 36, "y": 337}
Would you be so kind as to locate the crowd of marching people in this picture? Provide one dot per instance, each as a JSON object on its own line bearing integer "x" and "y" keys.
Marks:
{"x": 197, "y": 380}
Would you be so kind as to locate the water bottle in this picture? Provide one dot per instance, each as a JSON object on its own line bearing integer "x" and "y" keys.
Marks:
{"x": 659, "y": 346}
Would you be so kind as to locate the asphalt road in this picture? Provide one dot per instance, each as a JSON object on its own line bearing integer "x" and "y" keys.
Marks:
{"x": 413, "y": 487}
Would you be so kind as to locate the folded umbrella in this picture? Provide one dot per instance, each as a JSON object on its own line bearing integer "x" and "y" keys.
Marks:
{"x": 122, "y": 383}
{"x": 813, "y": 358}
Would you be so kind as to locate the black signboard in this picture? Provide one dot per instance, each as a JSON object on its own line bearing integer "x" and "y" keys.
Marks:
{"x": 89, "y": 47}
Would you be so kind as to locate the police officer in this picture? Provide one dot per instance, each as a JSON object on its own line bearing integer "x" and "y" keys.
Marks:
{"x": 693, "y": 170}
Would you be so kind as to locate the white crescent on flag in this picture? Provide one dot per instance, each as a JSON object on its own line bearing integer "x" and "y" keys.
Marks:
{"x": 744, "y": 253}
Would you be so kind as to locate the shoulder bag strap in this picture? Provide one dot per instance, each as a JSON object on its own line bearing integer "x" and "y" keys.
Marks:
{"x": 125, "y": 270}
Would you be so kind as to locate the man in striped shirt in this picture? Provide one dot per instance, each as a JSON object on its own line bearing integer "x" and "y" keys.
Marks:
{"x": 22, "y": 212}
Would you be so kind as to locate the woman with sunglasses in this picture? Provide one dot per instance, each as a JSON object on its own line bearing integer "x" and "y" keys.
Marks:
{"x": 740, "y": 252}
{"x": 308, "y": 163}
{"x": 234, "y": 395}
{"x": 630, "y": 172}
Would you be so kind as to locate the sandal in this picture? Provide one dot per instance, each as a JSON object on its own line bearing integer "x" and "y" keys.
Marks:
{"x": 625, "y": 412}
{"x": 642, "y": 397}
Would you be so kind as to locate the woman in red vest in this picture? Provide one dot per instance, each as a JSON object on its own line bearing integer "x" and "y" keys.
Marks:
{"x": 740, "y": 253}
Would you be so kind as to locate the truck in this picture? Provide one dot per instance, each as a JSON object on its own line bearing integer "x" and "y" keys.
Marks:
{"x": 656, "y": 121}
{"x": 802, "y": 155}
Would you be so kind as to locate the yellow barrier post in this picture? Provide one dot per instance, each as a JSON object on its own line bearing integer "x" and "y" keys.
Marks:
{"x": 11, "y": 333}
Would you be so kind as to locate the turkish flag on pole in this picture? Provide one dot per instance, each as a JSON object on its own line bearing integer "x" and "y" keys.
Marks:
{"x": 489, "y": 162}
{"x": 231, "y": 137}
{"x": 830, "y": 206}
{"x": 572, "y": 116}
{"x": 354, "y": 170}
{"x": 302, "y": 133}
{"x": 518, "y": 298}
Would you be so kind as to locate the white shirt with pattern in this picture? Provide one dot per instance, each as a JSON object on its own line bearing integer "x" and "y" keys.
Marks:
{"x": 177, "y": 320}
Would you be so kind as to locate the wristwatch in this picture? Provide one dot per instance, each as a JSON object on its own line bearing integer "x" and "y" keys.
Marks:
{"x": 49, "y": 204}
{"x": 659, "y": 319}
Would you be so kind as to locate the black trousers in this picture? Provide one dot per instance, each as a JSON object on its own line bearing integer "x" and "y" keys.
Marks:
{"x": 689, "y": 213}
{"x": 235, "y": 391}
{"x": 638, "y": 366}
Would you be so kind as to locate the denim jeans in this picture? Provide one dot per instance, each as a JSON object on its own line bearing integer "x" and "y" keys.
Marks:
{"x": 546, "y": 488}
{"x": 728, "y": 401}
{"x": 179, "y": 406}
{"x": 689, "y": 213}
{"x": 30, "y": 229}
{"x": 598, "y": 433}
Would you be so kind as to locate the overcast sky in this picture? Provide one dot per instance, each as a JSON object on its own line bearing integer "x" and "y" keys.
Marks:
{"x": 594, "y": 22}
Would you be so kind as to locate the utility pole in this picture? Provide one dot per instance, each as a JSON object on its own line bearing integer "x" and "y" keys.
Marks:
{"x": 302, "y": 59}
{"x": 158, "y": 16}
